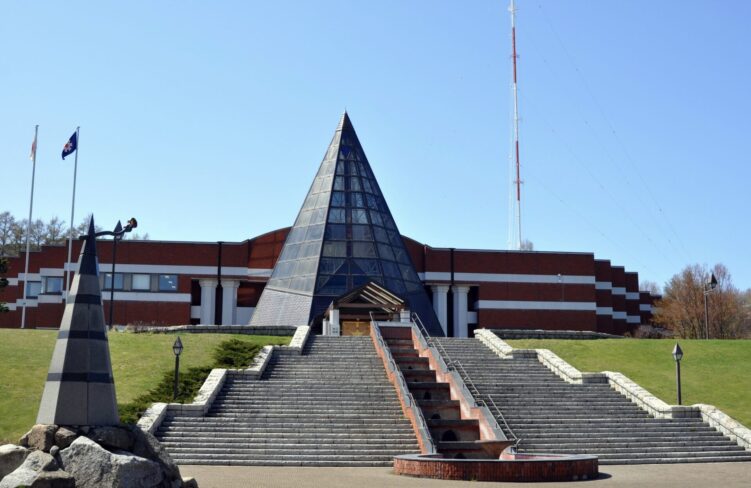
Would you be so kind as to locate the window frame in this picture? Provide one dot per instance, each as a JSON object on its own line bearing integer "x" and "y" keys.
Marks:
{"x": 133, "y": 281}
{"x": 159, "y": 283}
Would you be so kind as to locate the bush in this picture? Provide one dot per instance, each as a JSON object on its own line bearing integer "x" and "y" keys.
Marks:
{"x": 232, "y": 353}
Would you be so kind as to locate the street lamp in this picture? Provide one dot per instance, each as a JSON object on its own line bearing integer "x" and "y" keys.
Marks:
{"x": 177, "y": 348}
{"x": 678, "y": 355}
{"x": 117, "y": 235}
{"x": 709, "y": 287}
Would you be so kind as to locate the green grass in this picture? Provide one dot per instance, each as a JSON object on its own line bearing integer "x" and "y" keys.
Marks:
{"x": 139, "y": 363}
{"x": 713, "y": 372}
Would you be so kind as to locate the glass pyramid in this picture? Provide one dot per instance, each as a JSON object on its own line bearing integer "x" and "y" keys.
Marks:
{"x": 344, "y": 237}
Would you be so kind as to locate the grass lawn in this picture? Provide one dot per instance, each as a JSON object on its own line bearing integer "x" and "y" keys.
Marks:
{"x": 138, "y": 362}
{"x": 713, "y": 372}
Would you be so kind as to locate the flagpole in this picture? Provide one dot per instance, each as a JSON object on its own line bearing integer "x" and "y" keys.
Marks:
{"x": 72, "y": 216}
{"x": 28, "y": 226}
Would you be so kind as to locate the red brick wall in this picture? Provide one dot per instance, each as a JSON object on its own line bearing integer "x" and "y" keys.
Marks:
{"x": 553, "y": 469}
{"x": 537, "y": 319}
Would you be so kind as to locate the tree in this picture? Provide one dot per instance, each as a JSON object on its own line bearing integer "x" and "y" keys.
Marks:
{"x": 38, "y": 234}
{"x": 526, "y": 245}
{"x": 3, "y": 281}
{"x": 652, "y": 287}
{"x": 7, "y": 223}
{"x": 83, "y": 227}
{"x": 682, "y": 306}
{"x": 55, "y": 231}
{"x": 19, "y": 236}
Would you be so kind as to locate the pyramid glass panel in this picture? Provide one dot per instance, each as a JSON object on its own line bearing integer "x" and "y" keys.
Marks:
{"x": 344, "y": 236}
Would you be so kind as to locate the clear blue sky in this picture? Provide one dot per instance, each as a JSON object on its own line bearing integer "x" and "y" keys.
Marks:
{"x": 207, "y": 120}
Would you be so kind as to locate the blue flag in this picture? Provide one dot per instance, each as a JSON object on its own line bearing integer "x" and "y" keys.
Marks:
{"x": 71, "y": 145}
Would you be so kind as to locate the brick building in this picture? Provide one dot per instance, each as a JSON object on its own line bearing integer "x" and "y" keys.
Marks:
{"x": 343, "y": 237}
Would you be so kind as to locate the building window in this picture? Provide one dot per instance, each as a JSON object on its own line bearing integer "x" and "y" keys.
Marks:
{"x": 108, "y": 281}
{"x": 167, "y": 282}
{"x": 141, "y": 282}
{"x": 53, "y": 285}
{"x": 33, "y": 289}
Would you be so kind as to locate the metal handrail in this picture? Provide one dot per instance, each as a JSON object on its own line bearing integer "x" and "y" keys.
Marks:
{"x": 456, "y": 365}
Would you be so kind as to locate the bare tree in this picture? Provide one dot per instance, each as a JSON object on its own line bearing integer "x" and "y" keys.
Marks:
{"x": 7, "y": 223}
{"x": 55, "y": 232}
{"x": 83, "y": 227}
{"x": 3, "y": 281}
{"x": 651, "y": 286}
{"x": 682, "y": 306}
{"x": 38, "y": 234}
{"x": 527, "y": 245}
{"x": 19, "y": 236}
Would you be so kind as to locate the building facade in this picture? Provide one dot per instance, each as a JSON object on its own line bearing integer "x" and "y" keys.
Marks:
{"x": 344, "y": 237}
{"x": 173, "y": 283}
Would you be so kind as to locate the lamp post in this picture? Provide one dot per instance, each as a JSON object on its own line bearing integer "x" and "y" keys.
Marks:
{"x": 709, "y": 287}
{"x": 177, "y": 348}
{"x": 678, "y": 355}
{"x": 117, "y": 235}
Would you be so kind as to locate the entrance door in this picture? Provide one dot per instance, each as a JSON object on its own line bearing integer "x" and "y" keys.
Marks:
{"x": 355, "y": 328}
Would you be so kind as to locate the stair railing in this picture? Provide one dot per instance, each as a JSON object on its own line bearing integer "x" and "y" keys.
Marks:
{"x": 456, "y": 365}
{"x": 422, "y": 426}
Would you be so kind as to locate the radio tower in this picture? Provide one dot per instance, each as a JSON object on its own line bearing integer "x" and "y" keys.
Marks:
{"x": 515, "y": 222}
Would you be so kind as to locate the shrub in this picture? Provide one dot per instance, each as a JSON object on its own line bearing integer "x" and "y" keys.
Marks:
{"x": 232, "y": 353}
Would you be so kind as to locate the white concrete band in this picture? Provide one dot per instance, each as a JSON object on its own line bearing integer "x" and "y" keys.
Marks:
{"x": 508, "y": 278}
{"x": 535, "y": 305}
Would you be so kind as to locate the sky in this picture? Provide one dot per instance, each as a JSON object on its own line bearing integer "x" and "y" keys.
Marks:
{"x": 207, "y": 120}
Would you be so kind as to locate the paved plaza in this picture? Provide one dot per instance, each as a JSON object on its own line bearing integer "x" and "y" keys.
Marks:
{"x": 724, "y": 475}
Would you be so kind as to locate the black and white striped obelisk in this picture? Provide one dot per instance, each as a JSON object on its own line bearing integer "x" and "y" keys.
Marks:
{"x": 79, "y": 388}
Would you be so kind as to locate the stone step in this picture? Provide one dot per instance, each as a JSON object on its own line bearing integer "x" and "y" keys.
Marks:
{"x": 550, "y": 415}
{"x": 215, "y": 460}
{"x": 635, "y": 442}
{"x": 646, "y": 429}
{"x": 672, "y": 450}
{"x": 291, "y": 451}
{"x": 614, "y": 422}
{"x": 319, "y": 411}
{"x": 331, "y": 406}
{"x": 676, "y": 454}
{"x": 676, "y": 460}
{"x": 290, "y": 457}
{"x": 290, "y": 434}
{"x": 292, "y": 442}
{"x": 294, "y": 431}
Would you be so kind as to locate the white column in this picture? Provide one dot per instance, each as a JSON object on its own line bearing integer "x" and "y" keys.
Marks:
{"x": 334, "y": 320}
{"x": 459, "y": 292}
{"x": 405, "y": 316}
{"x": 229, "y": 301}
{"x": 208, "y": 298}
{"x": 440, "y": 305}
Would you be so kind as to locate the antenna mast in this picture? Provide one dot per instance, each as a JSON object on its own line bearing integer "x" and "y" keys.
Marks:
{"x": 517, "y": 241}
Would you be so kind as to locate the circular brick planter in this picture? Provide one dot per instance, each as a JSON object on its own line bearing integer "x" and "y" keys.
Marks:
{"x": 538, "y": 467}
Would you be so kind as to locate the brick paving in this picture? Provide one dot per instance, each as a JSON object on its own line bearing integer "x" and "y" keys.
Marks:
{"x": 727, "y": 475}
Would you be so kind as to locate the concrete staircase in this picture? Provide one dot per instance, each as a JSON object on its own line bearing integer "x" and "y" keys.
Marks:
{"x": 550, "y": 415}
{"x": 331, "y": 406}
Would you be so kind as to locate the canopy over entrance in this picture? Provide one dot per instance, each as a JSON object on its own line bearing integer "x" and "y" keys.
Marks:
{"x": 352, "y": 312}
